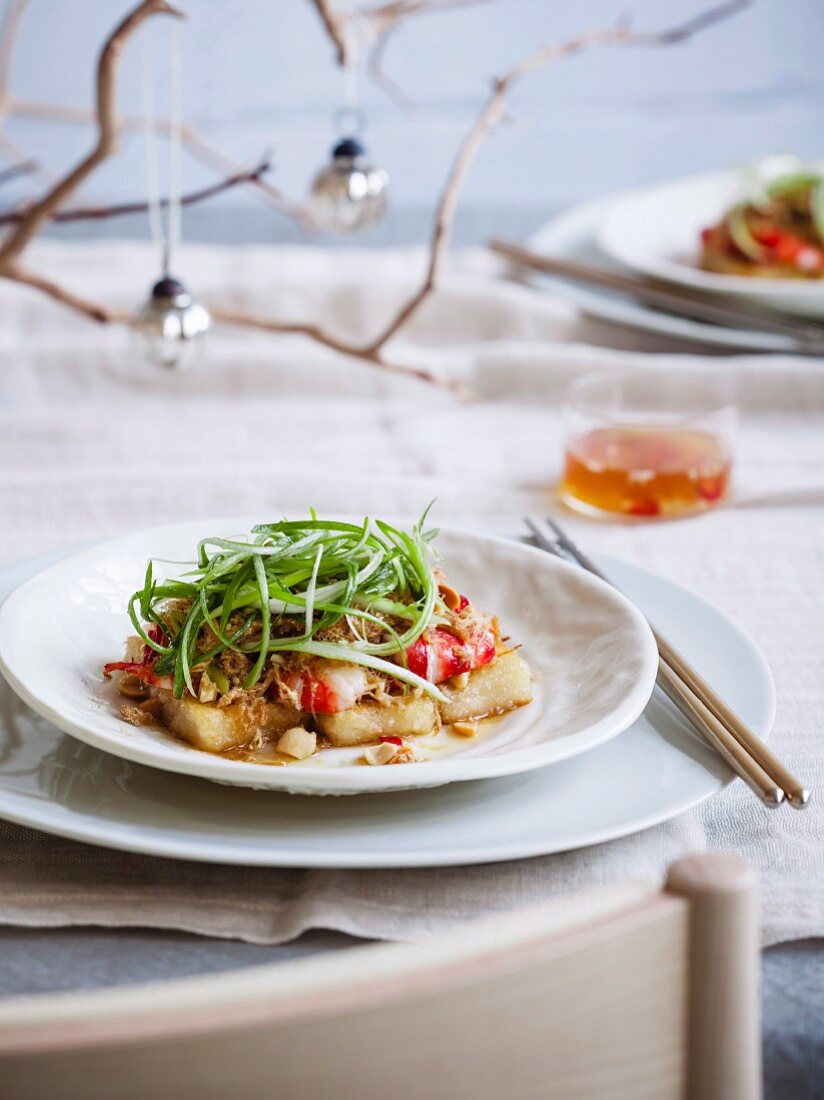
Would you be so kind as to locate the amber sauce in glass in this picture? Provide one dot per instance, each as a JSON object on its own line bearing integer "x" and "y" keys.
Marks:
{"x": 645, "y": 472}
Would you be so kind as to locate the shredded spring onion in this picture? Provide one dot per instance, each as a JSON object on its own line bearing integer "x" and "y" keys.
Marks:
{"x": 311, "y": 573}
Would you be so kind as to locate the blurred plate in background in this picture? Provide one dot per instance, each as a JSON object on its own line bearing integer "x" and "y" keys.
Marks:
{"x": 657, "y": 231}
{"x": 574, "y": 235}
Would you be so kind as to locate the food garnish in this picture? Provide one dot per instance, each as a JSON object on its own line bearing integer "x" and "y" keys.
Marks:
{"x": 776, "y": 230}
{"x": 314, "y": 632}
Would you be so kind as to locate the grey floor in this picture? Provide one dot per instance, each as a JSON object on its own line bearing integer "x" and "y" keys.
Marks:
{"x": 42, "y": 960}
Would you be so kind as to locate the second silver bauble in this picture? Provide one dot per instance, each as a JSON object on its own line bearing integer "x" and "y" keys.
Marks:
{"x": 351, "y": 193}
{"x": 169, "y": 329}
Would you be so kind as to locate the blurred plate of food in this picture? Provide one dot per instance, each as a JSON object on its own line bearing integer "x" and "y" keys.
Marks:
{"x": 756, "y": 233}
{"x": 573, "y": 235}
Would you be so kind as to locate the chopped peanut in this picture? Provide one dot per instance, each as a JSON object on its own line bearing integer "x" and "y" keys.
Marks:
{"x": 465, "y": 729}
{"x": 132, "y": 686}
{"x": 450, "y": 597}
{"x": 207, "y": 692}
{"x": 404, "y": 755}
{"x": 460, "y": 681}
{"x": 297, "y": 743}
{"x": 380, "y": 754}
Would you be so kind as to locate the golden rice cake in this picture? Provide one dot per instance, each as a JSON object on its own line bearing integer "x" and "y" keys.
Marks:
{"x": 502, "y": 685}
{"x": 212, "y": 728}
{"x": 409, "y": 716}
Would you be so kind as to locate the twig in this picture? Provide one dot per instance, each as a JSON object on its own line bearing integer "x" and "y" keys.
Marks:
{"x": 190, "y": 137}
{"x": 9, "y": 31}
{"x": 8, "y": 39}
{"x": 346, "y": 28}
{"x": 386, "y": 19}
{"x": 490, "y": 114}
{"x": 493, "y": 110}
{"x": 14, "y": 171}
{"x": 334, "y": 23}
{"x": 314, "y": 332}
{"x": 93, "y": 310}
{"x": 108, "y": 133}
{"x": 108, "y": 124}
{"x": 196, "y": 146}
{"x": 93, "y": 213}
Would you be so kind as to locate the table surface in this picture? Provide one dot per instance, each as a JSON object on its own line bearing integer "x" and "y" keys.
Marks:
{"x": 33, "y": 961}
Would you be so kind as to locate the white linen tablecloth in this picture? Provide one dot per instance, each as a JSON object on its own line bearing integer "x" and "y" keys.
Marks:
{"x": 93, "y": 446}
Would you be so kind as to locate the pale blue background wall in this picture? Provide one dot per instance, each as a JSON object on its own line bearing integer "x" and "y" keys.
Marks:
{"x": 260, "y": 73}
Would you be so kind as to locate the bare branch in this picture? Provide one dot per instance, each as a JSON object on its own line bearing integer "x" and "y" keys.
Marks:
{"x": 15, "y": 171}
{"x": 492, "y": 112}
{"x": 288, "y": 328}
{"x": 334, "y": 23}
{"x": 490, "y": 115}
{"x": 192, "y": 141}
{"x": 314, "y": 332}
{"x": 386, "y": 19}
{"x": 94, "y": 213}
{"x": 215, "y": 158}
{"x": 93, "y": 310}
{"x": 108, "y": 125}
{"x": 17, "y": 156}
{"x": 379, "y": 76}
{"x": 8, "y": 40}
{"x": 11, "y": 106}
{"x": 108, "y": 132}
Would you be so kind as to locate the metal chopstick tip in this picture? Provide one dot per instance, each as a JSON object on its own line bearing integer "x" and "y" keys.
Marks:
{"x": 772, "y": 797}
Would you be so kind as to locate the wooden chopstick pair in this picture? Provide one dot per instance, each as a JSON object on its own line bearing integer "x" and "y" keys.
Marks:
{"x": 748, "y": 756}
{"x": 680, "y": 301}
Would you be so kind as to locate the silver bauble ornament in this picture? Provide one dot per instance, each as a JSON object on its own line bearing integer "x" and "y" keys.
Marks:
{"x": 350, "y": 193}
{"x": 170, "y": 327}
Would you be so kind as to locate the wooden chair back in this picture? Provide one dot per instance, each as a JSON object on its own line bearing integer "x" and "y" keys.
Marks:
{"x": 624, "y": 993}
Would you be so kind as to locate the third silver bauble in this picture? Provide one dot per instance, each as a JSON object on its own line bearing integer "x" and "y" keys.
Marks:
{"x": 170, "y": 327}
{"x": 350, "y": 193}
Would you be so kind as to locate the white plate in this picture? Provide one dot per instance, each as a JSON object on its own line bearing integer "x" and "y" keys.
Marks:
{"x": 592, "y": 652}
{"x": 573, "y": 234}
{"x": 657, "y": 231}
{"x": 653, "y": 771}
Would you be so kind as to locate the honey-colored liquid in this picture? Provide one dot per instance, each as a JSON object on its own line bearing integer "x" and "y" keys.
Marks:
{"x": 646, "y": 472}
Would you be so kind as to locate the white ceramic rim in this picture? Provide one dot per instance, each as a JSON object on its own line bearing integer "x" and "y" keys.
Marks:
{"x": 347, "y": 780}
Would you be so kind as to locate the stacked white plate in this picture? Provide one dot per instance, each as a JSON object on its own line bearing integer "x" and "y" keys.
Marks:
{"x": 592, "y": 758}
{"x": 656, "y": 232}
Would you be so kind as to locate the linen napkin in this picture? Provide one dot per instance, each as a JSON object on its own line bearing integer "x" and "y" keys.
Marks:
{"x": 93, "y": 446}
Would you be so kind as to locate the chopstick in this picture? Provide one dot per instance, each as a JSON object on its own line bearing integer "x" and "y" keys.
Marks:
{"x": 681, "y": 301}
{"x": 743, "y": 751}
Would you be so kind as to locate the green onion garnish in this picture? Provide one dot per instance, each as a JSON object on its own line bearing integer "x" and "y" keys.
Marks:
{"x": 287, "y": 582}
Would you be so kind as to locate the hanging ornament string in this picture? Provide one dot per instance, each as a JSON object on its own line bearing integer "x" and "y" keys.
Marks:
{"x": 168, "y": 238}
{"x": 150, "y": 145}
{"x": 171, "y": 325}
{"x": 175, "y": 138}
{"x": 350, "y": 117}
{"x": 349, "y": 192}
{"x": 350, "y": 81}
